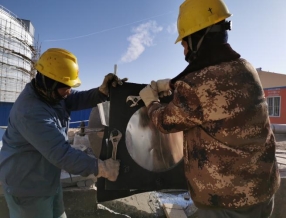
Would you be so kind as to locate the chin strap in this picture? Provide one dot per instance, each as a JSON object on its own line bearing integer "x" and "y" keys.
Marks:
{"x": 192, "y": 54}
{"x": 50, "y": 95}
{"x": 48, "y": 90}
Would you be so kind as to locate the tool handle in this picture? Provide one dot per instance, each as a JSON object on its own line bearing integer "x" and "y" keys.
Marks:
{"x": 114, "y": 151}
{"x": 115, "y": 69}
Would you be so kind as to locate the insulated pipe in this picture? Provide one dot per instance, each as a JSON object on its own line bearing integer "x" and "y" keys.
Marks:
{"x": 278, "y": 128}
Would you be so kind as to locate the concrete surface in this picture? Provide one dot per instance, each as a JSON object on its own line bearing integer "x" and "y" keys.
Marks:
{"x": 148, "y": 205}
{"x": 81, "y": 203}
{"x": 144, "y": 205}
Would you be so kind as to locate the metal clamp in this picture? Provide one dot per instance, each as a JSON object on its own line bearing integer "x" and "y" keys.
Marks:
{"x": 115, "y": 137}
{"x": 133, "y": 100}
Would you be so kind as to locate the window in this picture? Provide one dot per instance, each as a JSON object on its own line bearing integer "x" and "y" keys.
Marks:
{"x": 273, "y": 106}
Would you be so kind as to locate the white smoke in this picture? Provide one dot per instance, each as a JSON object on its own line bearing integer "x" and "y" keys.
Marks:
{"x": 143, "y": 37}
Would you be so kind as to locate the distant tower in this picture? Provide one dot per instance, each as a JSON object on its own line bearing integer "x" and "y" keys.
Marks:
{"x": 17, "y": 54}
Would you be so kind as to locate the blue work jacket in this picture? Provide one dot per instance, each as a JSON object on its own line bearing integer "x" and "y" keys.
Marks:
{"x": 35, "y": 144}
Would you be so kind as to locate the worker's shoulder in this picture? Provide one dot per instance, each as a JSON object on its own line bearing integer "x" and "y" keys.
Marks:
{"x": 30, "y": 106}
{"x": 229, "y": 65}
{"x": 220, "y": 73}
{"x": 227, "y": 70}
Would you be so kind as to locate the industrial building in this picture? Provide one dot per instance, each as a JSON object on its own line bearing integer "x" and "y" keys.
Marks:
{"x": 18, "y": 51}
{"x": 274, "y": 85}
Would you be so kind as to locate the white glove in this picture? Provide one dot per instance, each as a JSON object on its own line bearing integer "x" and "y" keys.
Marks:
{"x": 112, "y": 79}
{"x": 163, "y": 87}
{"x": 149, "y": 94}
{"x": 165, "y": 94}
{"x": 108, "y": 169}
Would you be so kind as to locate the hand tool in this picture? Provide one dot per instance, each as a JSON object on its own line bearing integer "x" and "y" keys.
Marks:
{"x": 115, "y": 72}
{"x": 115, "y": 69}
{"x": 133, "y": 100}
{"x": 115, "y": 137}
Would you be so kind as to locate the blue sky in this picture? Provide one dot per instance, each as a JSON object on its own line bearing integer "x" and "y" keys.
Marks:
{"x": 139, "y": 36}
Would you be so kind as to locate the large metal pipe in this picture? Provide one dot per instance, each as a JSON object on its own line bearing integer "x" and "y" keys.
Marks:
{"x": 278, "y": 128}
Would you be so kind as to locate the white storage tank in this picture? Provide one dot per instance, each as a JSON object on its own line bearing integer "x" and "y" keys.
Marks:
{"x": 17, "y": 53}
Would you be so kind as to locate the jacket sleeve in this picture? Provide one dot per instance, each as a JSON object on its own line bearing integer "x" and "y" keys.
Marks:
{"x": 182, "y": 113}
{"x": 40, "y": 129}
{"x": 80, "y": 100}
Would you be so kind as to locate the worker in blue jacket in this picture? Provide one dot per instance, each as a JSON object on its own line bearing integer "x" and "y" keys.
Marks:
{"x": 35, "y": 144}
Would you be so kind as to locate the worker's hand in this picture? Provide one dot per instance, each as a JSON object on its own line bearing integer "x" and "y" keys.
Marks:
{"x": 162, "y": 93}
{"x": 110, "y": 79}
{"x": 149, "y": 94}
{"x": 165, "y": 94}
{"x": 163, "y": 87}
{"x": 108, "y": 169}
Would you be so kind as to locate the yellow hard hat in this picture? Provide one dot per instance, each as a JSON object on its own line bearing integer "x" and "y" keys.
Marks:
{"x": 60, "y": 65}
{"x": 195, "y": 15}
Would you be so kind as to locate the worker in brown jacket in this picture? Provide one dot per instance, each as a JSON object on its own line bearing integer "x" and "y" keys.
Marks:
{"x": 219, "y": 104}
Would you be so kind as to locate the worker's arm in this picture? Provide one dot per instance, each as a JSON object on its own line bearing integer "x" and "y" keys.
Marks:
{"x": 182, "y": 113}
{"x": 80, "y": 100}
{"x": 43, "y": 131}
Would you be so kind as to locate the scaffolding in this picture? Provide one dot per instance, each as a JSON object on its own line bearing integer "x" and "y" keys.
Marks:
{"x": 18, "y": 52}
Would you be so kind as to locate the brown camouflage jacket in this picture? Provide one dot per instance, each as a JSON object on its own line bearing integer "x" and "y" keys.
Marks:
{"x": 229, "y": 148}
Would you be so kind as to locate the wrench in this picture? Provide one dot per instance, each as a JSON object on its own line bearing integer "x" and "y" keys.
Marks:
{"x": 133, "y": 100}
{"x": 115, "y": 137}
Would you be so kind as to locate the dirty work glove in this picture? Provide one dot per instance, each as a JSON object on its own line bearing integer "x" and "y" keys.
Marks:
{"x": 108, "y": 169}
{"x": 164, "y": 87}
{"x": 149, "y": 94}
{"x": 165, "y": 94}
{"x": 110, "y": 79}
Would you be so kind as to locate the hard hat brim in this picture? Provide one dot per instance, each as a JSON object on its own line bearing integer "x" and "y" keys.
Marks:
{"x": 74, "y": 83}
